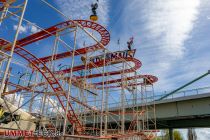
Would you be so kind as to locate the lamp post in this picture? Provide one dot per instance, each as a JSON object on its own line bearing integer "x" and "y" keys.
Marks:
{"x": 21, "y": 76}
{"x": 60, "y": 67}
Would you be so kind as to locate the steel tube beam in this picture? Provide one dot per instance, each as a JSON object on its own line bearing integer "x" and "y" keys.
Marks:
{"x": 12, "y": 48}
{"x": 189, "y": 83}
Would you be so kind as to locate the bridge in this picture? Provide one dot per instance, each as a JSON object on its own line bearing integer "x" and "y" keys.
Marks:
{"x": 184, "y": 109}
{"x": 191, "y": 110}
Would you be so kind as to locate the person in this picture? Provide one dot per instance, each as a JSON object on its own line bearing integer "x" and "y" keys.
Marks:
{"x": 118, "y": 41}
{"x": 130, "y": 43}
{"x": 94, "y": 7}
{"x": 83, "y": 58}
{"x": 147, "y": 81}
{"x": 94, "y": 16}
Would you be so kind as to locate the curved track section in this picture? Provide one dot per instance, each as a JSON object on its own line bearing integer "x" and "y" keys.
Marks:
{"x": 53, "y": 82}
{"x": 39, "y": 64}
{"x": 150, "y": 78}
{"x": 137, "y": 65}
{"x": 105, "y": 37}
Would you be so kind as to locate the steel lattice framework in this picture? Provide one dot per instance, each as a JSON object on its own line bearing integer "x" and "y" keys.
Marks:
{"x": 62, "y": 80}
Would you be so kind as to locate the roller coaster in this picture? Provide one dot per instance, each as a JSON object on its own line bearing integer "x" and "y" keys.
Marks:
{"x": 49, "y": 95}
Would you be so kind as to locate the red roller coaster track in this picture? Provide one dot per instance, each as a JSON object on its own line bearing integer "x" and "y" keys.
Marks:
{"x": 53, "y": 82}
{"x": 151, "y": 79}
{"x": 39, "y": 63}
{"x": 101, "y": 63}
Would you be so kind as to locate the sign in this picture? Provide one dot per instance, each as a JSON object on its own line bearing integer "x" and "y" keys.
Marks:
{"x": 114, "y": 55}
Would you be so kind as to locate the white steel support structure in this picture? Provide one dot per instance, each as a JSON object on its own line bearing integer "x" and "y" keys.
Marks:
{"x": 102, "y": 96}
{"x": 70, "y": 82}
{"x": 4, "y": 11}
{"x": 12, "y": 48}
{"x": 122, "y": 97}
{"x": 101, "y": 117}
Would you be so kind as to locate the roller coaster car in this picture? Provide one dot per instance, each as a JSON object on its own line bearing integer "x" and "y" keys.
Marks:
{"x": 94, "y": 17}
{"x": 147, "y": 82}
{"x": 83, "y": 58}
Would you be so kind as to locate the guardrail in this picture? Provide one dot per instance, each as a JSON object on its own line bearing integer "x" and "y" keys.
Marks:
{"x": 184, "y": 93}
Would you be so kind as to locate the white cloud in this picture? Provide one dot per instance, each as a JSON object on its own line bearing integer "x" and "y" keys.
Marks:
{"x": 81, "y": 9}
{"x": 27, "y": 28}
{"x": 22, "y": 29}
{"x": 53, "y": 103}
{"x": 160, "y": 29}
{"x": 203, "y": 134}
{"x": 171, "y": 22}
{"x": 17, "y": 100}
{"x": 34, "y": 29}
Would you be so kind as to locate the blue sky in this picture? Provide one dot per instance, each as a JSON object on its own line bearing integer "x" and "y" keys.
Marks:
{"x": 171, "y": 37}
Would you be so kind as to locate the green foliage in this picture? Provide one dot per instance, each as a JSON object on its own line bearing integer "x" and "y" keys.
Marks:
{"x": 177, "y": 135}
{"x": 158, "y": 138}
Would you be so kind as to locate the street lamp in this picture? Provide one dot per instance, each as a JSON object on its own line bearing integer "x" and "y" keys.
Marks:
{"x": 60, "y": 66}
{"x": 21, "y": 75}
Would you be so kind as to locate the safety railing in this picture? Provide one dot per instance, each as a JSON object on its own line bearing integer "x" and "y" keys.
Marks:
{"x": 185, "y": 93}
{"x": 180, "y": 94}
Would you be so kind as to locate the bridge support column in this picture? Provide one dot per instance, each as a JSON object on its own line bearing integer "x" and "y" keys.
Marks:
{"x": 171, "y": 137}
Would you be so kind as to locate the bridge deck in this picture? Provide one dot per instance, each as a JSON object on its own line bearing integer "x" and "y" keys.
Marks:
{"x": 181, "y": 112}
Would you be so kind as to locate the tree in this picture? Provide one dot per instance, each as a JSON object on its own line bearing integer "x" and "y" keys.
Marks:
{"x": 177, "y": 135}
{"x": 165, "y": 136}
{"x": 158, "y": 138}
{"x": 191, "y": 134}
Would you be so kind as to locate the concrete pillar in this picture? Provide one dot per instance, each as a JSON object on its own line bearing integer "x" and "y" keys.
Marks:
{"x": 171, "y": 137}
